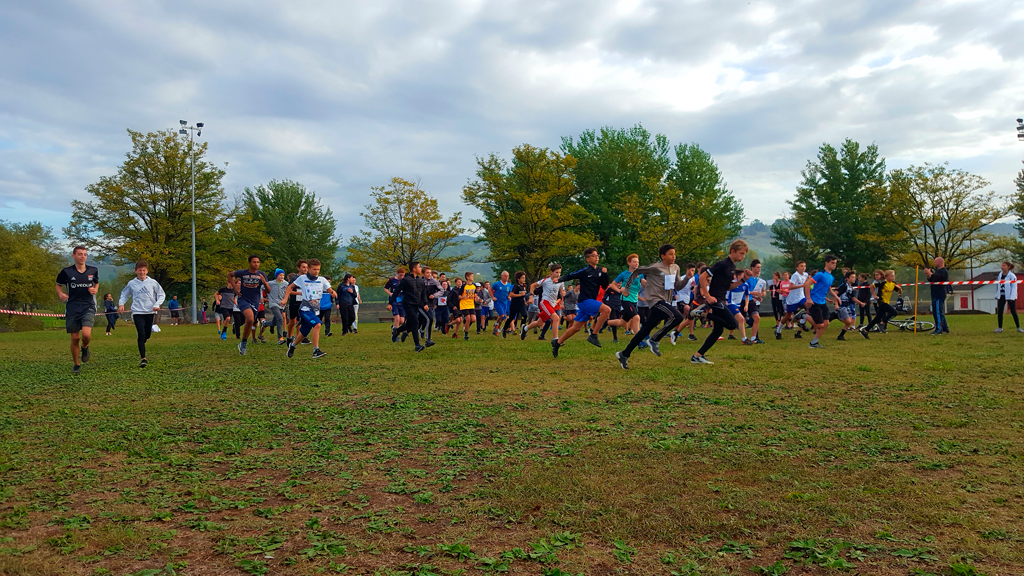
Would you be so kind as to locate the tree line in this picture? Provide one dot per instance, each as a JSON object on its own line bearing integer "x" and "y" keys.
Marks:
{"x": 623, "y": 190}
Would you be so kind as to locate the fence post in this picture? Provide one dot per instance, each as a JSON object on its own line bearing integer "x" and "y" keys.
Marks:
{"x": 917, "y": 271}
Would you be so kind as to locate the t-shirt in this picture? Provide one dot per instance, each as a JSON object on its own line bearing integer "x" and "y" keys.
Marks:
{"x": 391, "y": 286}
{"x": 551, "y": 290}
{"x": 784, "y": 288}
{"x": 325, "y": 301}
{"x": 641, "y": 298}
{"x": 312, "y": 289}
{"x": 227, "y": 297}
{"x": 591, "y": 280}
{"x": 634, "y": 288}
{"x": 885, "y": 290}
{"x": 77, "y": 286}
{"x": 251, "y": 283}
{"x": 737, "y": 294}
{"x": 685, "y": 294}
{"x": 864, "y": 292}
{"x": 612, "y": 298}
{"x": 796, "y": 296}
{"x": 501, "y": 291}
{"x": 755, "y": 284}
{"x": 846, "y": 294}
{"x": 722, "y": 275}
{"x": 569, "y": 300}
{"x": 519, "y": 301}
{"x": 467, "y": 297}
{"x": 822, "y": 284}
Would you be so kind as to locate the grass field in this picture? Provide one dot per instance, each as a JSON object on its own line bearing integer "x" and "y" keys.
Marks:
{"x": 898, "y": 455}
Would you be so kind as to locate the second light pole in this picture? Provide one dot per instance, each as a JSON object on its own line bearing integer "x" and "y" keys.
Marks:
{"x": 193, "y": 131}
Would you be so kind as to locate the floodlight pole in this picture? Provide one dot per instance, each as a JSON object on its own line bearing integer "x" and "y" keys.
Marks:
{"x": 192, "y": 132}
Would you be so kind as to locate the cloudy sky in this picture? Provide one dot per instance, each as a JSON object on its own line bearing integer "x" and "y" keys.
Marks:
{"x": 342, "y": 96}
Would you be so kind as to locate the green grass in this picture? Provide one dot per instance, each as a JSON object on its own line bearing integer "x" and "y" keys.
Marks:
{"x": 898, "y": 455}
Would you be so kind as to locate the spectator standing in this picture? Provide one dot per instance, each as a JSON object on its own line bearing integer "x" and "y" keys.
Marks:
{"x": 939, "y": 291}
{"x": 1007, "y": 291}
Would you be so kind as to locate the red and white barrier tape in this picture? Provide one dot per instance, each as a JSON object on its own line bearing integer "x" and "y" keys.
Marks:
{"x": 19, "y": 313}
{"x": 963, "y": 282}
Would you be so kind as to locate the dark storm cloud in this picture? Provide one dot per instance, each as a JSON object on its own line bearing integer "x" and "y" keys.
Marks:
{"x": 343, "y": 96}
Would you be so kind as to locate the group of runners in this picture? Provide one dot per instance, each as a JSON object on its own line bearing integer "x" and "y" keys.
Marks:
{"x": 647, "y": 302}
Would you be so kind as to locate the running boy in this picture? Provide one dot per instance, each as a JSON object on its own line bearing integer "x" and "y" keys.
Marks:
{"x": 312, "y": 286}
{"x": 714, "y": 284}
{"x": 883, "y": 291}
{"x": 147, "y": 296}
{"x": 550, "y": 301}
{"x": 818, "y": 291}
{"x": 846, "y": 306}
{"x": 591, "y": 279}
{"x": 796, "y": 299}
{"x": 500, "y": 291}
{"x": 249, "y": 289}
{"x": 662, "y": 279}
{"x": 82, "y": 283}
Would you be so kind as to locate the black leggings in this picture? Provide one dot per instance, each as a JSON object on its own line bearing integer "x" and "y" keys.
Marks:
{"x": 412, "y": 325}
{"x": 865, "y": 313}
{"x": 111, "y": 322}
{"x": 721, "y": 321}
{"x": 662, "y": 311}
{"x": 348, "y": 316}
{"x": 885, "y": 313}
{"x": 513, "y": 313}
{"x": 144, "y": 329}
{"x": 441, "y": 315}
{"x": 1013, "y": 310}
{"x": 325, "y": 317}
{"x": 778, "y": 310}
{"x": 237, "y": 321}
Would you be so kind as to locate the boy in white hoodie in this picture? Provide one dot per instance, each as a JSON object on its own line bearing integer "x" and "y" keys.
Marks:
{"x": 147, "y": 296}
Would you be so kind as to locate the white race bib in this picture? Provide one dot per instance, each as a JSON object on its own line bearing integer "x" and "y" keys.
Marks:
{"x": 670, "y": 281}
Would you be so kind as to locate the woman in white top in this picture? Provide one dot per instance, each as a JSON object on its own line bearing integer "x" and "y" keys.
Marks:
{"x": 147, "y": 296}
{"x": 355, "y": 323}
{"x": 1007, "y": 292}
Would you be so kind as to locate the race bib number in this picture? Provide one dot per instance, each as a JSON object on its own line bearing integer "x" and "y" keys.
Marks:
{"x": 670, "y": 281}
{"x": 442, "y": 300}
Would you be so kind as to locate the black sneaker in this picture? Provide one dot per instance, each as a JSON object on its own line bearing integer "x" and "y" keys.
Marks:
{"x": 242, "y": 348}
{"x": 290, "y": 340}
{"x": 143, "y": 363}
{"x": 291, "y": 350}
{"x": 329, "y": 334}
{"x": 699, "y": 360}
{"x": 318, "y": 353}
{"x": 86, "y": 355}
{"x": 554, "y": 347}
{"x": 731, "y": 337}
{"x": 691, "y": 337}
{"x": 623, "y": 360}
{"x": 404, "y": 336}
{"x": 523, "y": 332}
{"x": 615, "y": 340}
{"x": 655, "y": 348}
{"x": 842, "y": 335}
{"x": 593, "y": 340}
{"x": 798, "y": 335}
{"x": 864, "y": 333}
{"x": 305, "y": 341}
{"x": 264, "y": 340}
{"x": 778, "y": 335}
{"x": 394, "y": 334}
{"x": 428, "y": 343}
{"x": 465, "y": 336}
{"x": 504, "y": 333}
{"x": 281, "y": 341}
{"x": 420, "y": 348}
{"x": 76, "y": 368}
{"x": 815, "y": 345}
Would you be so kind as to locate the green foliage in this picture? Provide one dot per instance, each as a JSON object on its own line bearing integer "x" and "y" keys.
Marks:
{"x": 144, "y": 212}
{"x": 708, "y": 198}
{"x": 404, "y": 226}
{"x": 838, "y": 208}
{"x": 942, "y": 212}
{"x": 531, "y": 214}
{"x": 30, "y": 265}
{"x": 300, "y": 227}
{"x": 610, "y": 164}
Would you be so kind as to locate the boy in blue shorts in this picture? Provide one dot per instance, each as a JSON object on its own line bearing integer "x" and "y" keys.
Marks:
{"x": 736, "y": 300}
{"x": 249, "y": 290}
{"x": 796, "y": 298}
{"x": 756, "y": 290}
{"x": 500, "y": 292}
{"x": 819, "y": 291}
{"x": 312, "y": 286}
{"x": 848, "y": 303}
{"x": 591, "y": 279}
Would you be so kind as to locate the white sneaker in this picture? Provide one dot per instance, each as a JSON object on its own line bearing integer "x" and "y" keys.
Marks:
{"x": 998, "y": 330}
{"x": 1021, "y": 330}
{"x": 156, "y": 328}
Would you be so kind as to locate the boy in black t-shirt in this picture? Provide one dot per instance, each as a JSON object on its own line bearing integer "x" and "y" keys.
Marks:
{"x": 714, "y": 285}
{"x": 517, "y": 303}
{"x": 82, "y": 283}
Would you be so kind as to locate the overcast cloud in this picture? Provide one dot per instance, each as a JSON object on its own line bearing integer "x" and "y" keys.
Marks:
{"x": 341, "y": 96}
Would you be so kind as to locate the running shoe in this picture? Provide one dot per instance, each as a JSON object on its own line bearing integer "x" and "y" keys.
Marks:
{"x": 673, "y": 337}
{"x": 143, "y": 363}
{"x": 466, "y": 336}
{"x": 318, "y": 353}
{"x": 85, "y": 354}
{"x": 615, "y": 340}
{"x": 997, "y": 331}
{"x": 593, "y": 340}
{"x": 643, "y": 344}
{"x": 623, "y": 360}
{"x": 864, "y": 333}
{"x": 798, "y": 335}
{"x": 748, "y": 342}
{"x": 523, "y": 332}
{"x": 629, "y": 332}
{"x": 305, "y": 341}
{"x": 1021, "y": 330}
{"x": 420, "y": 348}
{"x": 655, "y": 348}
{"x": 731, "y": 337}
{"x": 241, "y": 347}
{"x": 291, "y": 350}
{"x": 699, "y": 360}
{"x": 76, "y": 368}
{"x": 842, "y": 335}
{"x": 281, "y": 341}
{"x": 697, "y": 311}
{"x": 263, "y": 340}
{"x": 329, "y": 334}
{"x": 692, "y": 337}
{"x": 394, "y": 334}
{"x": 224, "y": 335}
{"x": 554, "y": 347}
{"x": 428, "y": 343}
{"x": 404, "y": 336}
{"x": 758, "y": 340}
{"x": 815, "y": 345}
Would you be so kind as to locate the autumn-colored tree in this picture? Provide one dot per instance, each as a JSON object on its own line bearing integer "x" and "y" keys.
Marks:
{"x": 144, "y": 212}
{"x": 403, "y": 225}
{"x": 531, "y": 213}
{"x": 943, "y": 212}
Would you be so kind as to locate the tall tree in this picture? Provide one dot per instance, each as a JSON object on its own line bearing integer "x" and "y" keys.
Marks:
{"x": 706, "y": 196}
{"x": 404, "y": 226}
{"x": 30, "y": 263}
{"x": 836, "y": 209}
{"x": 943, "y": 212}
{"x": 531, "y": 210}
{"x": 300, "y": 226}
{"x": 609, "y": 164}
{"x": 144, "y": 212}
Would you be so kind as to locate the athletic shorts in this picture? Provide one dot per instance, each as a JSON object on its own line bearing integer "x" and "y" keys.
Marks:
{"x": 847, "y": 312}
{"x": 261, "y": 314}
{"x": 501, "y": 308}
{"x": 76, "y": 318}
{"x": 734, "y": 309}
{"x": 791, "y": 308}
{"x": 547, "y": 310}
{"x": 307, "y": 320}
{"x": 293, "y": 310}
{"x": 468, "y": 312}
{"x": 819, "y": 313}
{"x": 174, "y": 313}
{"x": 243, "y": 304}
{"x": 587, "y": 309}
{"x": 485, "y": 311}
{"x": 616, "y": 313}
{"x": 628, "y": 310}
{"x": 682, "y": 308}
{"x": 224, "y": 313}
{"x": 397, "y": 309}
